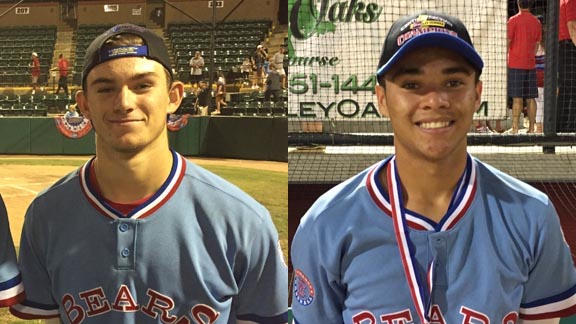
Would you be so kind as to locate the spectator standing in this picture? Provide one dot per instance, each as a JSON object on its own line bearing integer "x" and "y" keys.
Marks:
{"x": 246, "y": 69}
{"x": 273, "y": 85}
{"x": 278, "y": 60}
{"x": 524, "y": 34}
{"x": 540, "y": 67}
{"x": 203, "y": 97}
{"x": 63, "y": 70}
{"x": 35, "y": 71}
{"x": 196, "y": 66}
{"x": 259, "y": 57}
{"x": 220, "y": 95}
{"x": 566, "y": 113}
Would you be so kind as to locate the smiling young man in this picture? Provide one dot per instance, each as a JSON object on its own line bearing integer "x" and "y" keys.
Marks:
{"x": 130, "y": 237}
{"x": 430, "y": 234}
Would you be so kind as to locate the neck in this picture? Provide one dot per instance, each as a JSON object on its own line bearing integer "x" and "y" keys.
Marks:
{"x": 127, "y": 177}
{"x": 428, "y": 186}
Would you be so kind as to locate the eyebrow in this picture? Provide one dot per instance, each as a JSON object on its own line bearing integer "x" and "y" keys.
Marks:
{"x": 135, "y": 77}
{"x": 418, "y": 71}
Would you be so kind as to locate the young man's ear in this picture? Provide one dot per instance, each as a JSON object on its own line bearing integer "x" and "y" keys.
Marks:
{"x": 478, "y": 95}
{"x": 381, "y": 97}
{"x": 82, "y": 104}
{"x": 176, "y": 94}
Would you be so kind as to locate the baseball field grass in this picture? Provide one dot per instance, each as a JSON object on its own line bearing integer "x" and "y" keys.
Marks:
{"x": 267, "y": 186}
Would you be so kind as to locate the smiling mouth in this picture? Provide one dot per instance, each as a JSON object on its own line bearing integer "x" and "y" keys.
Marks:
{"x": 126, "y": 121}
{"x": 434, "y": 125}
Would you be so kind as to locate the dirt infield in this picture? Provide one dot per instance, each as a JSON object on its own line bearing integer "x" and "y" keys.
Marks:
{"x": 19, "y": 184}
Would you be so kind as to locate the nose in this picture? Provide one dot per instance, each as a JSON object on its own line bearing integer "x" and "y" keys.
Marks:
{"x": 435, "y": 99}
{"x": 125, "y": 100}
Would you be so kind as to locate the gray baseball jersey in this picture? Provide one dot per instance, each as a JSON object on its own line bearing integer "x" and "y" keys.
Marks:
{"x": 11, "y": 287}
{"x": 498, "y": 255}
{"x": 198, "y": 251}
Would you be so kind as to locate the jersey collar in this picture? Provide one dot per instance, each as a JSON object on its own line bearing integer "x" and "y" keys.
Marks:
{"x": 145, "y": 209}
{"x": 461, "y": 199}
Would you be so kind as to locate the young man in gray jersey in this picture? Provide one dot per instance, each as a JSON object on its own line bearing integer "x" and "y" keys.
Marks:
{"x": 129, "y": 237}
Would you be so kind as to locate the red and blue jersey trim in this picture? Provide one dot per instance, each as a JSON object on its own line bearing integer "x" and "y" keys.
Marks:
{"x": 561, "y": 305}
{"x": 157, "y": 200}
{"x": 461, "y": 200}
{"x": 11, "y": 291}
{"x": 31, "y": 310}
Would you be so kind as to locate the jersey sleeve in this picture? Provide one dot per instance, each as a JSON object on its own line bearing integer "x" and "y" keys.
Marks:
{"x": 550, "y": 291}
{"x": 317, "y": 296}
{"x": 11, "y": 287}
{"x": 39, "y": 303}
{"x": 263, "y": 297}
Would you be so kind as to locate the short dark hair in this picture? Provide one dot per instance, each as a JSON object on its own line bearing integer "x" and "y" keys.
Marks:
{"x": 525, "y": 4}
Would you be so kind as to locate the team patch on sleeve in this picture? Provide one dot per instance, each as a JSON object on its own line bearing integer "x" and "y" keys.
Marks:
{"x": 303, "y": 290}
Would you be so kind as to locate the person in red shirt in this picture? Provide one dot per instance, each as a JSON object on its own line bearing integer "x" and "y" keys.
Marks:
{"x": 566, "y": 113}
{"x": 524, "y": 34}
{"x": 63, "y": 69}
{"x": 35, "y": 65}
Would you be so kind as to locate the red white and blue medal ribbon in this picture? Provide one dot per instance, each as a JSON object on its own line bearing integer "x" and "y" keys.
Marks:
{"x": 421, "y": 288}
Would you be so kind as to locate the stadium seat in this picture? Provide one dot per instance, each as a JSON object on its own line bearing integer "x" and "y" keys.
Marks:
{"x": 280, "y": 108}
{"x": 266, "y": 108}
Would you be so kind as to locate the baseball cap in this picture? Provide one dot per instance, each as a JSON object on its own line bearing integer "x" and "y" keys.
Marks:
{"x": 426, "y": 28}
{"x": 153, "y": 48}
{"x": 34, "y": 54}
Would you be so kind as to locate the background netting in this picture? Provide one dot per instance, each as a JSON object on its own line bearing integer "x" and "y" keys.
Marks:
{"x": 335, "y": 129}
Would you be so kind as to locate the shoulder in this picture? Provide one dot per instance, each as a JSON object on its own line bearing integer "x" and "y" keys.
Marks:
{"x": 61, "y": 195}
{"x": 216, "y": 193}
{"x": 339, "y": 207}
{"x": 505, "y": 192}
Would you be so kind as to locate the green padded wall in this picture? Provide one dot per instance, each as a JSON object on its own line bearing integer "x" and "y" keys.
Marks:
{"x": 253, "y": 138}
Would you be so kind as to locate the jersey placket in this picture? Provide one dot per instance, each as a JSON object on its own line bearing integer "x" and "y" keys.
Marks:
{"x": 126, "y": 230}
{"x": 438, "y": 245}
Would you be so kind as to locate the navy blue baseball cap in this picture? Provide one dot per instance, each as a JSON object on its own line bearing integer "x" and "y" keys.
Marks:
{"x": 99, "y": 52}
{"x": 426, "y": 28}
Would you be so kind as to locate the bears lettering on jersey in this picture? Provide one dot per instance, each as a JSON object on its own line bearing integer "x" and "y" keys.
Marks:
{"x": 94, "y": 302}
{"x": 469, "y": 316}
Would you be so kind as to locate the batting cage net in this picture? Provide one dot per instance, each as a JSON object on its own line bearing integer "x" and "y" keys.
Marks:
{"x": 336, "y": 130}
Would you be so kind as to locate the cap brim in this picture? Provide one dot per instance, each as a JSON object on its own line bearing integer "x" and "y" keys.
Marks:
{"x": 438, "y": 40}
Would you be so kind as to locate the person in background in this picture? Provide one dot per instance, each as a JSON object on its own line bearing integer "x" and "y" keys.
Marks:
{"x": 540, "y": 68}
{"x": 63, "y": 70}
{"x": 258, "y": 57}
{"x": 273, "y": 84}
{"x": 524, "y": 34}
{"x": 35, "y": 71}
{"x": 220, "y": 95}
{"x": 203, "y": 98}
{"x": 196, "y": 66}
{"x": 566, "y": 114}
{"x": 246, "y": 70}
{"x": 278, "y": 60}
